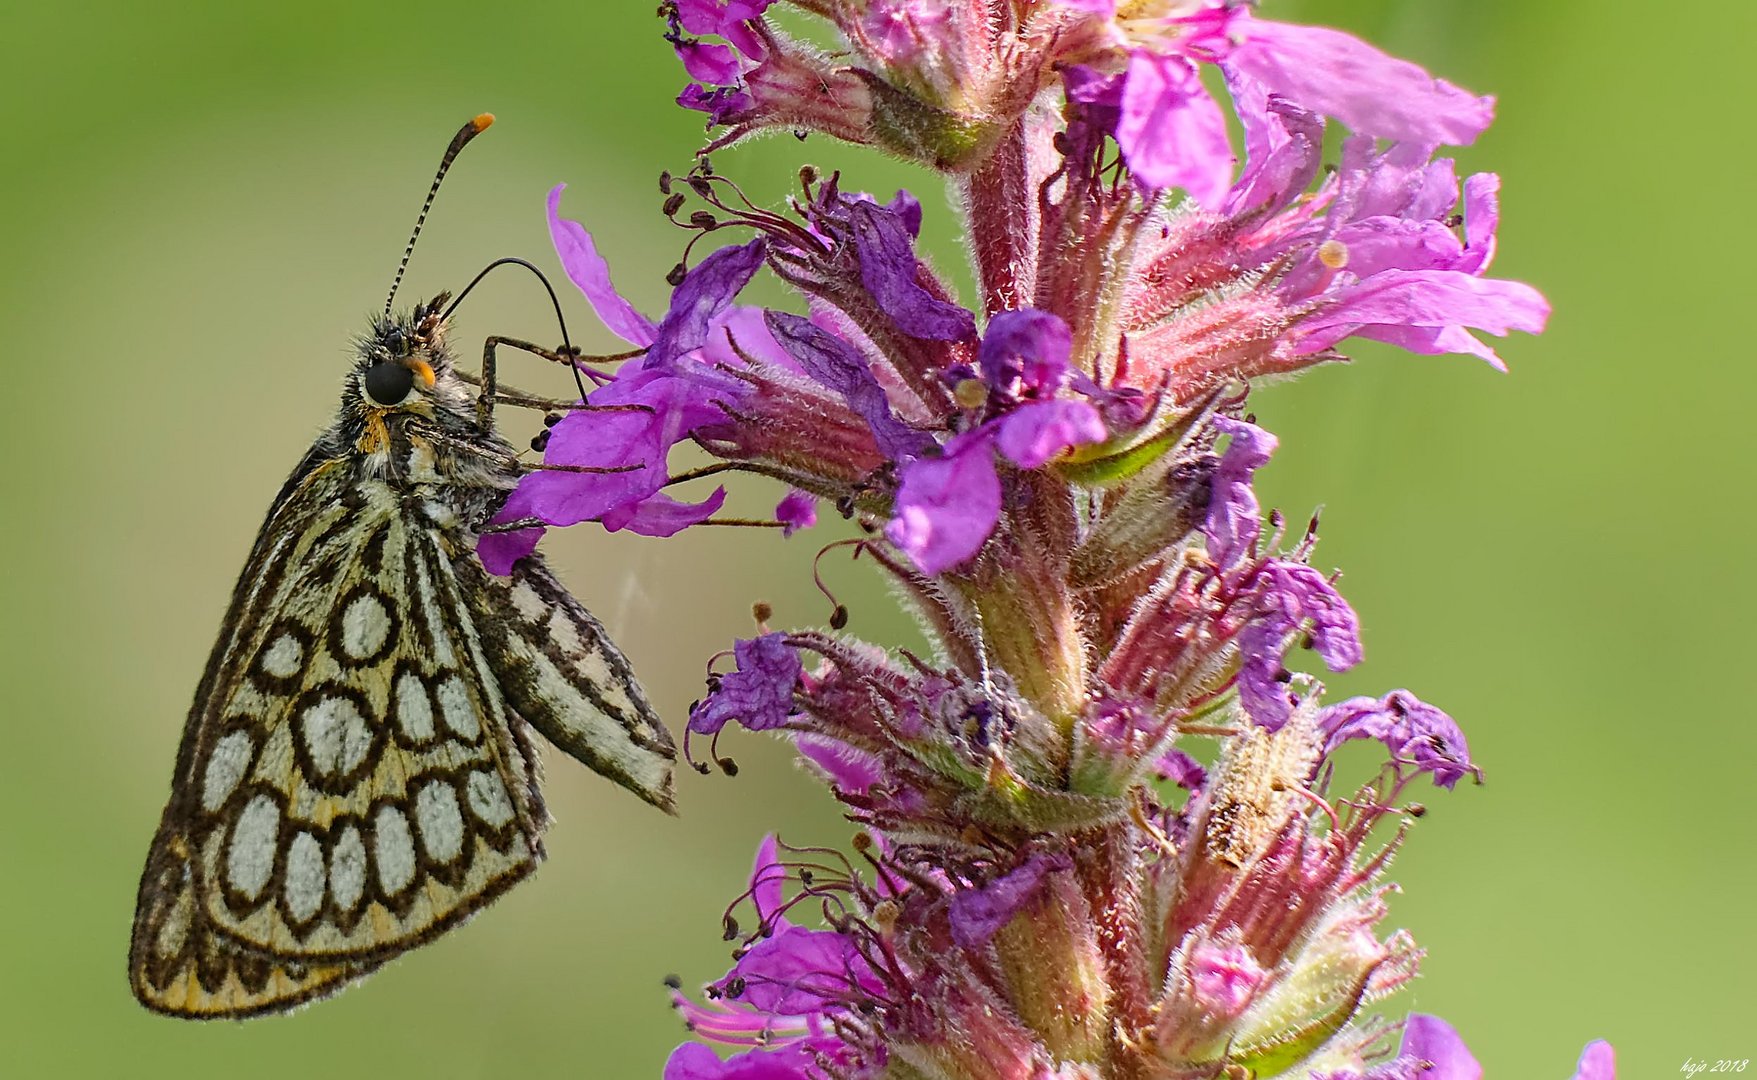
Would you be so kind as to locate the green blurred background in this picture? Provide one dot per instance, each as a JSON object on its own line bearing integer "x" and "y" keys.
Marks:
{"x": 203, "y": 200}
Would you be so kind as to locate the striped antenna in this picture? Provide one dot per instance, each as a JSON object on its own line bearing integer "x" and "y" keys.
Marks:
{"x": 475, "y": 127}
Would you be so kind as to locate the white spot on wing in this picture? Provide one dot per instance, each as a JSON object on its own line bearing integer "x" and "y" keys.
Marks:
{"x": 414, "y": 709}
{"x": 305, "y": 876}
{"x": 488, "y": 799}
{"x": 439, "y": 513}
{"x": 394, "y": 849}
{"x": 283, "y": 658}
{"x": 347, "y": 869}
{"x": 456, "y": 707}
{"x": 336, "y": 735}
{"x": 251, "y": 858}
{"x": 527, "y": 603}
{"x": 175, "y": 929}
{"x": 441, "y": 823}
{"x": 566, "y": 635}
{"x": 225, "y": 767}
{"x": 365, "y": 626}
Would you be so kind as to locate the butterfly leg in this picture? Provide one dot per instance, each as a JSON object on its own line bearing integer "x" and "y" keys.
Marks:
{"x": 571, "y": 359}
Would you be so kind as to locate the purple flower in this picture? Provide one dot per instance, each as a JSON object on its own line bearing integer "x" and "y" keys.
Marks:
{"x": 978, "y": 914}
{"x": 885, "y": 248}
{"x": 637, "y": 417}
{"x": 1025, "y": 351}
{"x": 1234, "y": 520}
{"x": 694, "y": 1061}
{"x": 1038, "y": 432}
{"x": 1056, "y": 480}
{"x": 710, "y": 63}
{"x": 591, "y": 274}
{"x": 1290, "y": 598}
{"x": 778, "y": 997}
{"x": 947, "y": 506}
{"x": 1225, "y": 978}
{"x": 700, "y": 299}
{"x": 1385, "y": 262}
{"x": 1172, "y": 133}
{"x": 900, "y": 30}
{"x": 837, "y": 366}
{"x": 1414, "y": 731}
{"x": 1597, "y": 1062}
{"x": 1330, "y": 72}
{"x": 729, "y": 19}
{"x": 1283, "y": 148}
{"x": 759, "y": 694}
{"x": 1428, "y": 1038}
{"x": 797, "y": 510}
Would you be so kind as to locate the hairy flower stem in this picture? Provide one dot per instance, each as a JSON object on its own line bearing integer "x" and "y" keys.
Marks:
{"x": 1031, "y": 621}
{"x": 1000, "y": 210}
{"x": 1054, "y": 970}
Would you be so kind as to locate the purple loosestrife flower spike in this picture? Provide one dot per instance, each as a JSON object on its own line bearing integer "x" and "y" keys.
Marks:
{"x": 1104, "y": 829}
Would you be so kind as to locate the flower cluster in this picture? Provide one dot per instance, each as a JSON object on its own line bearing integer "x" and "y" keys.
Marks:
{"x": 1049, "y": 883}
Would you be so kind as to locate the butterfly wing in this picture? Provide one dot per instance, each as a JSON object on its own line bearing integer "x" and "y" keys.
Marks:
{"x": 561, "y": 672}
{"x": 351, "y": 780}
{"x": 181, "y": 967}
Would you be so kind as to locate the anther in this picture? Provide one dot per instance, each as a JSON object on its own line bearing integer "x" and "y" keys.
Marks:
{"x": 665, "y": 181}
{"x": 839, "y": 617}
{"x": 673, "y": 982}
{"x": 540, "y": 441}
{"x": 729, "y": 929}
{"x": 674, "y": 203}
{"x": 703, "y": 219}
{"x": 727, "y": 766}
{"x": 885, "y": 916}
{"x": 676, "y": 275}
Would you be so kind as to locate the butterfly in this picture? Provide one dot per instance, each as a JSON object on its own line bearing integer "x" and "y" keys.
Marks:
{"x": 357, "y": 774}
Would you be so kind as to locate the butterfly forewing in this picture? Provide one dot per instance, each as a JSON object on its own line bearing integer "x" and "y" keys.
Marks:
{"x": 357, "y": 774}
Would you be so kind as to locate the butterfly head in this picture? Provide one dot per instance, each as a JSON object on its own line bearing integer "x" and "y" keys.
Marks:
{"x": 403, "y": 359}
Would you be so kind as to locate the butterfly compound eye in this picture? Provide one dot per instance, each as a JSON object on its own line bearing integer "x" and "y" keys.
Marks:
{"x": 389, "y": 384}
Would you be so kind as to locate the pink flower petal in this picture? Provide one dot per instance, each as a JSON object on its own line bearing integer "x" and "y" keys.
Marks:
{"x": 1172, "y": 133}
{"x": 1340, "y": 75}
{"x": 588, "y": 270}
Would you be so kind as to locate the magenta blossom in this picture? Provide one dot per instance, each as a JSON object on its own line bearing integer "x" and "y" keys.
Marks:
{"x": 1104, "y": 827}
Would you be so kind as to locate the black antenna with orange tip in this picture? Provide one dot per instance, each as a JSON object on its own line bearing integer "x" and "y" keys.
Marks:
{"x": 476, "y": 126}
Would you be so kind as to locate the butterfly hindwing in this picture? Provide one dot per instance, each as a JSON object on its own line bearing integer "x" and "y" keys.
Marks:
{"x": 563, "y": 674}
